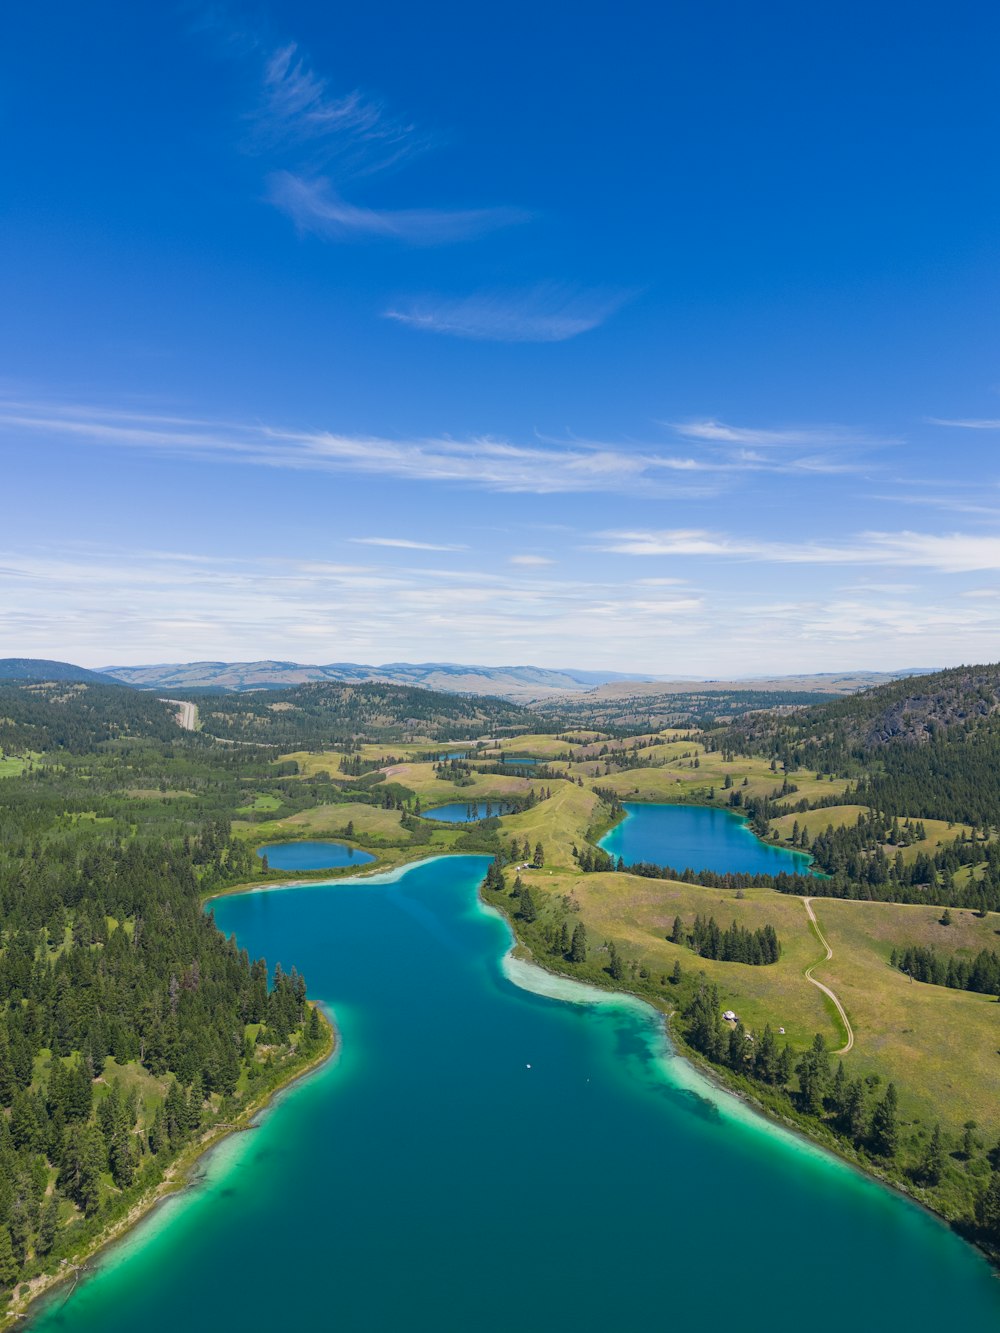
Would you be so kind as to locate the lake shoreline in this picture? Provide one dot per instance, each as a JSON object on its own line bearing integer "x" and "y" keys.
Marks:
{"x": 178, "y": 1177}
{"x": 717, "y": 1076}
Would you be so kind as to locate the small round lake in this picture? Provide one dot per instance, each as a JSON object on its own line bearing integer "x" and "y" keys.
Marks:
{"x": 466, "y": 812}
{"x": 696, "y": 837}
{"x": 313, "y": 855}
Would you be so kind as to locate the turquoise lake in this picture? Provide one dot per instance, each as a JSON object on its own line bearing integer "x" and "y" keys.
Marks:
{"x": 697, "y": 837}
{"x": 480, "y": 1158}
{"x": 313, "y": 855}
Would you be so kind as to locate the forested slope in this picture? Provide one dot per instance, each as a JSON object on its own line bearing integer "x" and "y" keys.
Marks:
{"x": 926, "y": 747}
{"x": 311, "y": 716}
{"x": 128, "y": 1023}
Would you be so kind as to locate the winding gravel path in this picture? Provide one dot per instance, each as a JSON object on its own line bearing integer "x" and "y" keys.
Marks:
{"x": 808, "y": 974}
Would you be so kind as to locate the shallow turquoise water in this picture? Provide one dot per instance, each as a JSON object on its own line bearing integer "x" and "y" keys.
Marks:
{"x": 313, "y": 855}
{"x": 697, "y": 837}
{"x": 463, "y": 812}
{"x": 429, "y": 1180}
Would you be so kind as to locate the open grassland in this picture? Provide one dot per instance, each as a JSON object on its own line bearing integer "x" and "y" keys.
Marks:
{"x": 557, "y": 824}
{"x": 939, "y": 833}
{"x": 818, "y": 821}
{"x": 330, "y": 820}
{"x": 938, "y": 1045}
{"x": 12, "y": 766}
{"x": 423, "y": 782}
{"x": 812, "y": 788}
{"x": 638, "y": 914}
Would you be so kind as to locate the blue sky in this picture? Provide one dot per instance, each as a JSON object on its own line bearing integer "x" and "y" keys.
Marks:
{"x": 629, "y": 336}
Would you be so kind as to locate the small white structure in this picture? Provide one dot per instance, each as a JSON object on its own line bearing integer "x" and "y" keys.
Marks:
{"x": 728, "y": 1016}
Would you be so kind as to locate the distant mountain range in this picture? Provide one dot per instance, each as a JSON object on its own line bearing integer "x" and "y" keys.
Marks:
{"x": 509, "y": 682}
{"x": 522, "y": 683}
{"x": 40, "y": 668}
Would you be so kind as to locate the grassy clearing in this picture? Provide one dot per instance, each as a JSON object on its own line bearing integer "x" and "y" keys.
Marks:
{"x": 638, "y": 914}
{"x": 333, "y": 819}
{"x": 813, "y": 788}
{"x": 818, "y": 821}
{"x": 263, "y": 802}
{"x": 557, "y": 824}
{"x": 938, "y": 1045}
{"x": 939, "y": 832}
{"x": 421, "y": 779}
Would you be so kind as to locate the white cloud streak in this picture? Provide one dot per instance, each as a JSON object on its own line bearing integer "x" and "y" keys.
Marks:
{"x": 403, "y": 543}
{"x": 315, "y": 207}
{"x": 547, "y": 313}
{"x": 298, "y": 109}
{"x": 718, "y": 432}
{"x": 969, "y": 423}
{"x": 948, "y": 553}
{"x": 481, "y": 463}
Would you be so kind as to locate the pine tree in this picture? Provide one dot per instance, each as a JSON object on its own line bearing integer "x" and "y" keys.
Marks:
{"x": 615, "y": 965}
{"x": 988, "y": 1209}
{"x": 527, "y": 910}
{"x": 814, "y": 1075}
{"x": 852, "y": 1118}
{"x": 885, "y": 1124}
{"x": 49, "y": 1226}
{"x": 932, "y": 1167}
{"x": 9, "y": 1266}
{"x": 578, "y": 947}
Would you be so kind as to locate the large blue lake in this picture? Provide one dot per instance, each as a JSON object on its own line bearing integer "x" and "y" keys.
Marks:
{"x": 313, "y": 855}
{"x": 697, "y": 837}
{"x": 481, "y": 1158}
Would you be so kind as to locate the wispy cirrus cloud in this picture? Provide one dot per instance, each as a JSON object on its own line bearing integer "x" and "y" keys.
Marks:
{"x": 967, "y": 423}
{"x": 719, "y": 432}
{"x": 403, "y": 543}
{"x": 320, "y": 142}
{"x": 948, "y": 553}
{"x": 481, "y": 463}
{"x": 315, "y": 206}
{"x": 546, "y": 313}
{"x": 299, "y": 110}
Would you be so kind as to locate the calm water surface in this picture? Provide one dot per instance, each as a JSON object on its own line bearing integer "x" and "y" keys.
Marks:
{"x": 697, "y": 837}
{"x": 430, "y": 1180}
{"x": 313, "y": 855}
{"x": 464, "y": 812}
